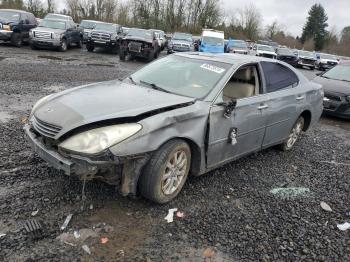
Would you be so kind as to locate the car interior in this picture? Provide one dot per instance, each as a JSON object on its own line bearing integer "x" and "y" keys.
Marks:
{"x": 244, "y": 83}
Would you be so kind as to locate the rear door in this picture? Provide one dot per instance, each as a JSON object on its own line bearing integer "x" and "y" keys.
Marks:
{"x": 286, "y": 100}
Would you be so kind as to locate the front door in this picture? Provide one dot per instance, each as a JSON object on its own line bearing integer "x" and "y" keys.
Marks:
{"x": 243, "y": 131}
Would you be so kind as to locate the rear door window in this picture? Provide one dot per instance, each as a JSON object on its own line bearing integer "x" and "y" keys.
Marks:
{"x": 278, "y": 76}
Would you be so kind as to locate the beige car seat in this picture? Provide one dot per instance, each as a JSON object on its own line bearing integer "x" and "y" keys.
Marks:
{"x": 239, "y": 86}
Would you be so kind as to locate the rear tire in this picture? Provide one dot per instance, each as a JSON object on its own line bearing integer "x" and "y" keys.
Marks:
{"x": 33, "y": 47}
{"x": 90, "y": 48}
{"x": 293, "y": 135}
{"x": 122, "y": 55}
{"x": 16, "y": 39}
{"x": 151, "y": 56}
{"x": 166, "y": 172}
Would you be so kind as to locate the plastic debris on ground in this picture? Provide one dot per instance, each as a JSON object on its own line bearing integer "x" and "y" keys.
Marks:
{"x": 66, "y": 222}
{"x": 104, "y": 240}
{"x": 180, "y": 214}
{"x": 76, "y": 234}
{"x": 170, "y": 217}
{"x": 325, "y": 206}
{"x": 209, "y": 253}
{"x": 286, "y": 192}
{"x": 91, "y": 207}
{"x": 34, "y": 213}
{"x": 344, "y": 227}
{"x": 86, "y": 249}
{"x": 2, "y": 235}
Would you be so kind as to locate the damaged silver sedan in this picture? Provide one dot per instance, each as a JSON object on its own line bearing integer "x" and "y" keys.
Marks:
{"x": 181, "y": 115}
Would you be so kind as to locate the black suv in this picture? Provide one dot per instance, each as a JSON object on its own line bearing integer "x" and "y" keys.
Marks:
{"x": 104, "y": 35}
{"x": 58, "y": 34}
{"x": 15, "y": 26}
{"x": 139, "y": 43}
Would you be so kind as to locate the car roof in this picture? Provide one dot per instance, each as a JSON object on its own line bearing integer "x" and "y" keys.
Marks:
{"x": 15, "y": 11}
{"x": 58, "y": 15}
{"x": 55, "y": 20}
{"x": 227, "y": 58}
{"x": 94, "y": 21}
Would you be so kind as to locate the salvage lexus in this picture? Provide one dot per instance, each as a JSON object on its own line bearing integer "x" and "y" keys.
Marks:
{"x": 150, "y": 131}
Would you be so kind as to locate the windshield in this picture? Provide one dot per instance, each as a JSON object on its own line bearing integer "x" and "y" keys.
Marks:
{"x": 87, "y": 24}
{"x": 340, "y": 72}
{"x": 140, "y": 33}
{"x": 8, "y": 15}
{"x": 53, "y": 24}
{"x": 183, "y": 37}
{"x": 106, "y": 27}
{"x": 285, "y": 51}
{"x": 265, "y": 48}
{"x": 240, "y": 44}
{"x": 183, "y": 76}
{"x": 209, "y": 40}
{"x": 330, "y": 57}
{"x": 306, "y": 53}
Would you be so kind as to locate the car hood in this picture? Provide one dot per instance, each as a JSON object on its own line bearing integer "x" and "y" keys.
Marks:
{"x": 50, "y": 30}
{"x": 181, "y": 42}
{"x": 7, "y": 22}
{"x": 266, "y": 52}
{"x": 307, "y": 57}
{"x": 103, "y": 101}
{"x": 333, "y": 86}
{"x": 136, "y": 38}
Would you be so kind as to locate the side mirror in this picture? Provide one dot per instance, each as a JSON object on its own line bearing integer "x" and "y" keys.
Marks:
{"x": 229, "y": 107}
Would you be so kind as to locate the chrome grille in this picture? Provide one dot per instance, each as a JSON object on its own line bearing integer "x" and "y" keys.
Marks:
{"x": 331, "y": 63}
{"x": 308, "y": 61}
{"x": 100, "y": 36}
{"x": 42, "y": 35}
{"x": 181, "y": 47}
{"x": 45, "y": 129}
{"x": 135, "y": 46}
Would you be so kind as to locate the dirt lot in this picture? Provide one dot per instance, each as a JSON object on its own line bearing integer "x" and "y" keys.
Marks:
{"x": 231, "y": 210}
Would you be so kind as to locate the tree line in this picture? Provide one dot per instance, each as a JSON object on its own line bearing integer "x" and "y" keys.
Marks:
{"x": 193, "y": 15}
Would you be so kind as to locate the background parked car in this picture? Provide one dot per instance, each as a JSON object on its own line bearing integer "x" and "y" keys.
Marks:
{"x": 286, "y": 55}
{"x": 15, "y": 26}
{"x": 336, "y": 86}
{"x": 162, "y": 40}
{"x": 326, "y": 61}
{"x": 212, "y": 41}
{"x": 237, "y": 46}
{"x": 87, "y": 26}
{"x": 139, "y": 43}
{"x": 105, "y": 35}
{"x": 264, "y": 51}
{"x": 55, "y": 34}
{"x": 180, "y": 42}
{"x": 306, "y": 58}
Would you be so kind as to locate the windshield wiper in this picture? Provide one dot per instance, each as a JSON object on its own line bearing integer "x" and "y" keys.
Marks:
{"x": 154, "y": 86}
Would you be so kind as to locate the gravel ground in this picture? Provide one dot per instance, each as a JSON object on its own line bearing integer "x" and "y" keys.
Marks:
{"x": 229, "y": 214}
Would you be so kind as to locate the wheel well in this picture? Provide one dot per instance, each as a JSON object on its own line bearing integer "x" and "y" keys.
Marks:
{"x": 307, "y": 119}
{"x": 195, "y": 154}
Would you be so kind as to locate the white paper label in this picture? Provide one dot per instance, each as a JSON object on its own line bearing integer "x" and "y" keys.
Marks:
{"x": 213, "y": 68}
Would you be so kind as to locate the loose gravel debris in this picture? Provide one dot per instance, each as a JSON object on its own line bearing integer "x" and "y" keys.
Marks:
{"x": 230, "y": 210}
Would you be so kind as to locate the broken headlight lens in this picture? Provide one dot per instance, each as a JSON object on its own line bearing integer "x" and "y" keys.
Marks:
{"x": 97, "y": 140}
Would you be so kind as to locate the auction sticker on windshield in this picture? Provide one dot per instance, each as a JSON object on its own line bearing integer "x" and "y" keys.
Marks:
{"x": 213, "y": 68}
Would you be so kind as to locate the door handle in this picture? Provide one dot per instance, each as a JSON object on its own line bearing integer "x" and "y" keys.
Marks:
{"x": 264, "y": 106}
{"x": 301, "y": 97}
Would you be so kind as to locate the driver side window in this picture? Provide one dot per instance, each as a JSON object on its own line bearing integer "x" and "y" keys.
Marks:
{"x": 244, "y": 83}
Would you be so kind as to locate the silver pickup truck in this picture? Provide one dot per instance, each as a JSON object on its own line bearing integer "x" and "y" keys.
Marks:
{"x": 187, "y": 113}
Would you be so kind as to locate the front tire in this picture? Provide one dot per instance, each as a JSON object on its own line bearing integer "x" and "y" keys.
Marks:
{"x": 166, "y": 172}
{"x": 80, "y": 43}
{"x": 16, "y": 39}
{"x": 293, "y": 135}
{"x": 90, "y": 48}
{"x": 64, "y": 46}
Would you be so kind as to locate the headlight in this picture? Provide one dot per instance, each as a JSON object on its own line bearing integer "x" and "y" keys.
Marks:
{"x": 57, "y": 36}
{"x": 6, "y": 27}
{"x": 37, "y": 104}
{"x": 97, "y": 140}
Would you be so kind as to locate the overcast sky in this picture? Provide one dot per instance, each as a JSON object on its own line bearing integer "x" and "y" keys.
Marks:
{"x": 290, "y": 13}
